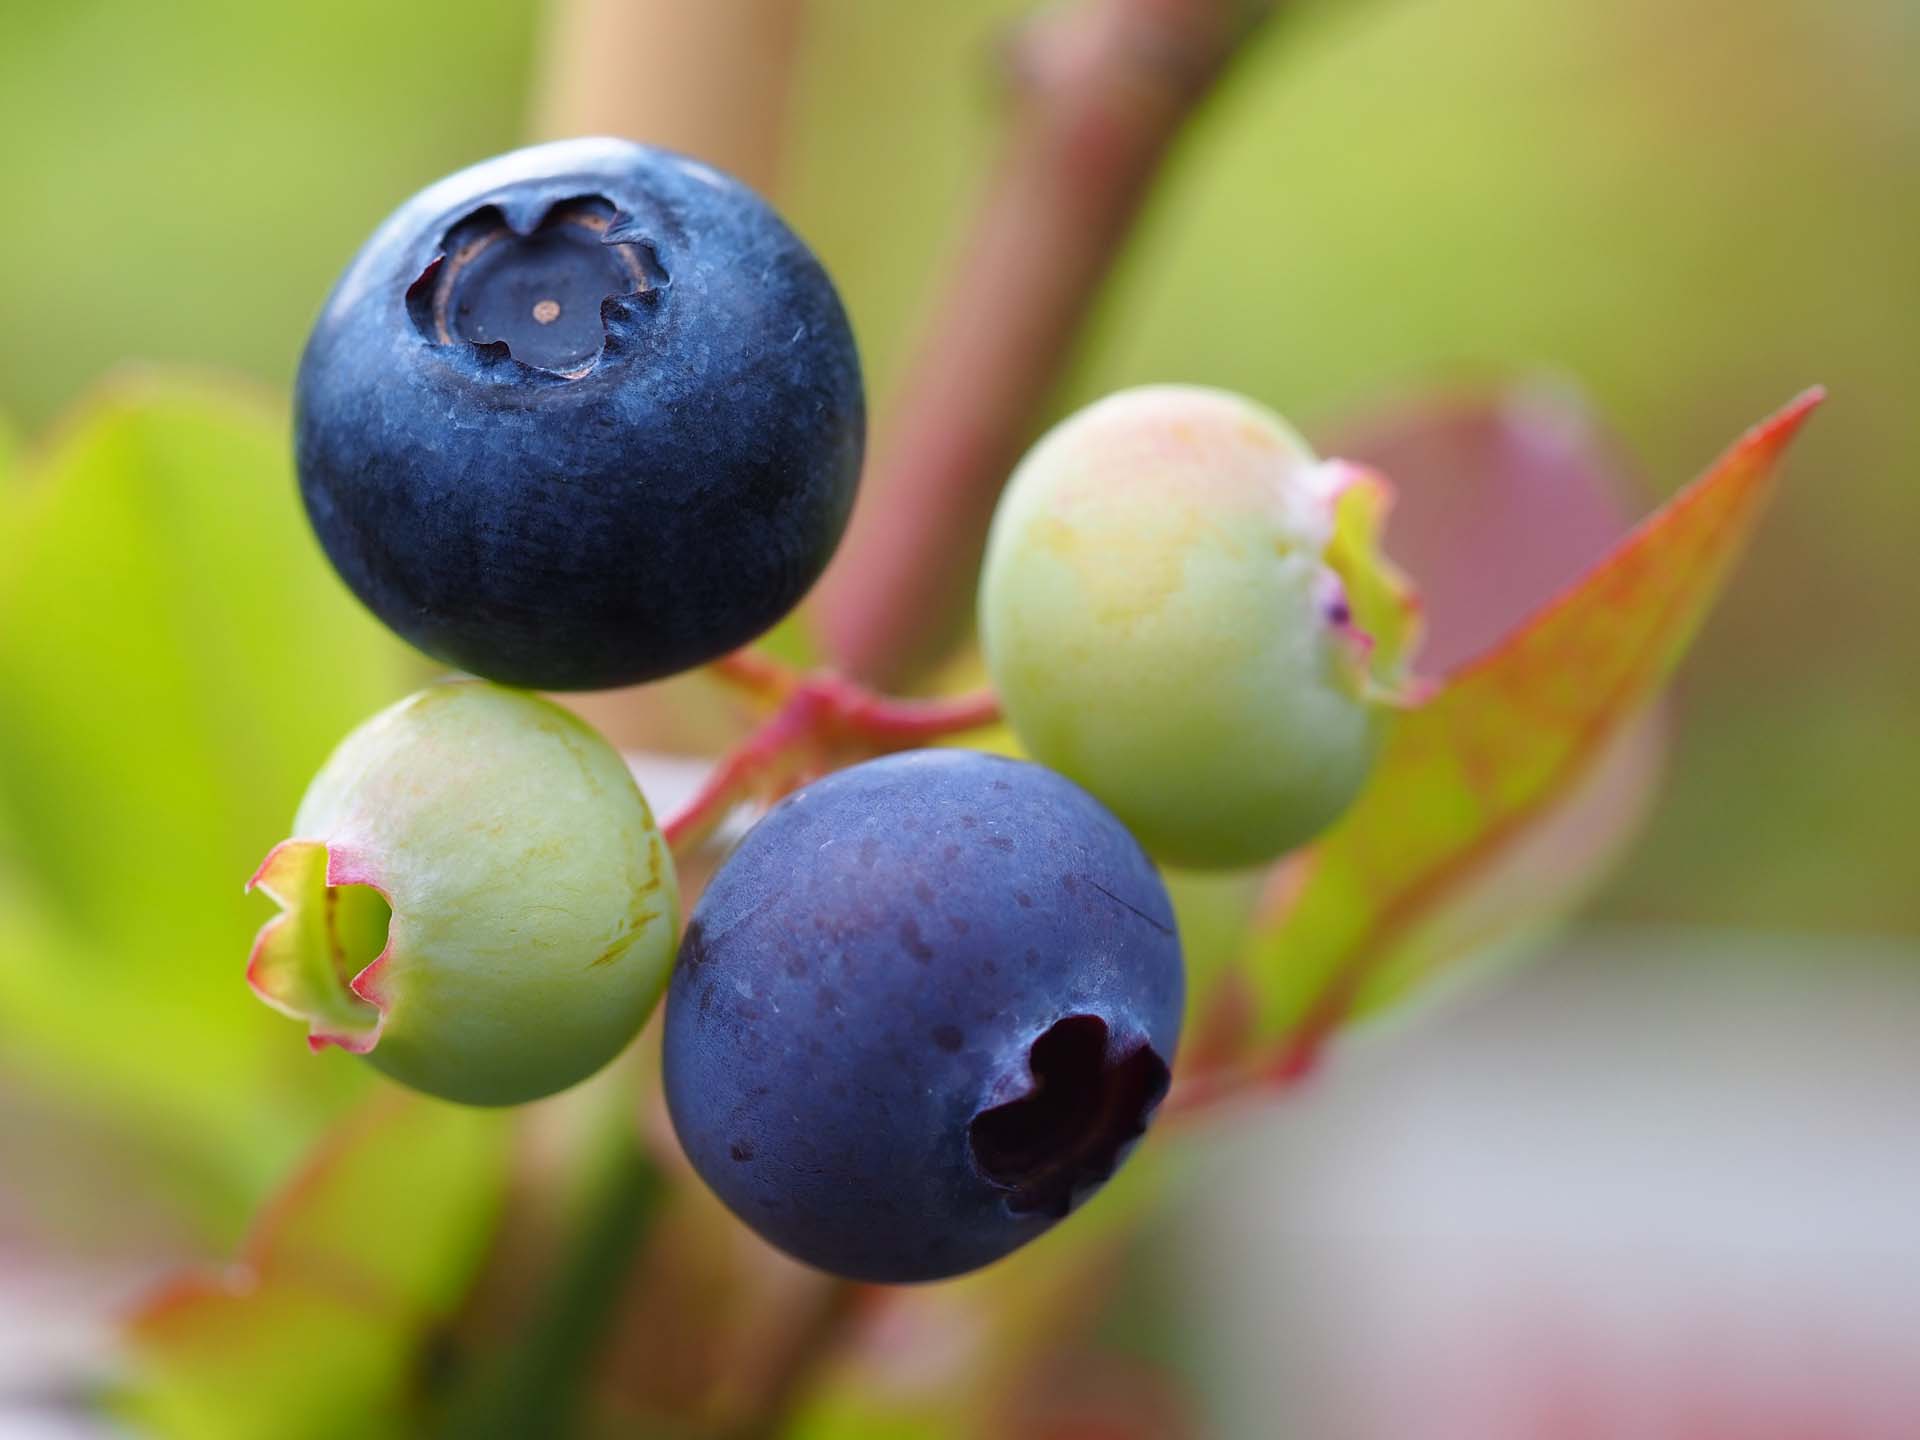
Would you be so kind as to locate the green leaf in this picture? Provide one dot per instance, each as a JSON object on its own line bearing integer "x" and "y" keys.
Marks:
{"x": 176, "y": 659}
{"x": 1427, "y": 868}
{"x": 331, "y": 1322}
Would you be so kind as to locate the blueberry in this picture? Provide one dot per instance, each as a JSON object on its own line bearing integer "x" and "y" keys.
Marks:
{"x": 582, "y": 415}
{"x": 921, "y": 1013}
{"x": 475, "y": 897}
{"x": 1167, "y": 611}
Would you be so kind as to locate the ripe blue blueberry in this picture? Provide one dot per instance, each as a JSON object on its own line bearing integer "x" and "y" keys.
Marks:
{"x": 582, "y": 415}
{"x": 921, "y": 1013}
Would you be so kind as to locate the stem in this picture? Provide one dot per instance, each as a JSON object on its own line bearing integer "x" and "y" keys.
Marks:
{"x": 712, "y": 79}
{"x": 1104, "y": 88}
{"x": 765, "y": 765}
{"x": 817, "y": 1341}
{"x": 756, "y": 674}
{"x": 541, "y": 1386}
{"x": 896, "y": 724}
{"x": 823, "y": 721}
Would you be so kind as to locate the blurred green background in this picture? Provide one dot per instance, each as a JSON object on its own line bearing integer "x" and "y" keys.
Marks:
{"x": 1692, "y": 210}
{"x": 1689, "y": 209}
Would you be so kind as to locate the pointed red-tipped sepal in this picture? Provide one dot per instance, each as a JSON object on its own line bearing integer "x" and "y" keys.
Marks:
{"x": 307, "y": 959}
{"x": 1376, "y": 610}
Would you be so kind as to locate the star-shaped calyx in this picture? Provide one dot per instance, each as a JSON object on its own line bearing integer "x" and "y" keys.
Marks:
{"x": 1090, "y": 1100}
{"x": 540, "y": 295}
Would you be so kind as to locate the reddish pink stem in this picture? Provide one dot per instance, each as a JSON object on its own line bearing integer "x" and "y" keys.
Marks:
{"x": 766, "y": 762}
{"x": 823, "y": 720}
{"x": 756, "y": 674}
{"x": 895, "y": 724}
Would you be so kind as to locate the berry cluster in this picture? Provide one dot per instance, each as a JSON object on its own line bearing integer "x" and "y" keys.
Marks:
{"x": 589, "y": 414}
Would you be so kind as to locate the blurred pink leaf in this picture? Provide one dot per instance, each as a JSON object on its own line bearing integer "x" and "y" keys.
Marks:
{"x": 1501, "y": 498}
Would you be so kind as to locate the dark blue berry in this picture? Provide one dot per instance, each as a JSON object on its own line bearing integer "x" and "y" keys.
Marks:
{"x": 583, "y": 415}
{"x": 921, "y": 1013}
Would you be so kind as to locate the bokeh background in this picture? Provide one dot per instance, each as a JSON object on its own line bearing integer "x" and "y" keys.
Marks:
{"x": 1663, "y": 1182}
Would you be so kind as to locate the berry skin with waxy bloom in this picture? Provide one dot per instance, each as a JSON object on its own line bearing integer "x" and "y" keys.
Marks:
{"x": 476, "y": 898}
{"x": 923, "y": 1011}
{"x": 584, "y": 415}
{"x": 1183, "y": 610}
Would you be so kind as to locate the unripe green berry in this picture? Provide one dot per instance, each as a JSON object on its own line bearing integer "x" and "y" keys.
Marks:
{"x": 476, "y": 898}
{"x": 1169, "y": 612}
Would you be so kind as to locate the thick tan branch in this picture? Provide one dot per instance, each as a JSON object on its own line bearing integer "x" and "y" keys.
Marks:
{"x": 712, "y": 78}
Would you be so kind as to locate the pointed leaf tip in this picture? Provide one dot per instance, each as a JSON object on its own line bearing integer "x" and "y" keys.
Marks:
{"x": 1783, "y": 426}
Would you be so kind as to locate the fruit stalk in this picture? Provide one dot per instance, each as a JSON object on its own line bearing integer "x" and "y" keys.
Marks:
{"x": 822, "y": 721}
{"x": 1102, "y": 88}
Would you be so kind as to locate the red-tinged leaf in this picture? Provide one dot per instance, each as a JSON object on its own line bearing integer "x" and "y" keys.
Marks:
{"x": 1401, "y": 888}
{"x": 324, "y": 1326}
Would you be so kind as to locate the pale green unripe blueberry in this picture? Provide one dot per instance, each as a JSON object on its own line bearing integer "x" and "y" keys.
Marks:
{"x": 1165, "y": 615}
{"x": 476, "y": 898}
